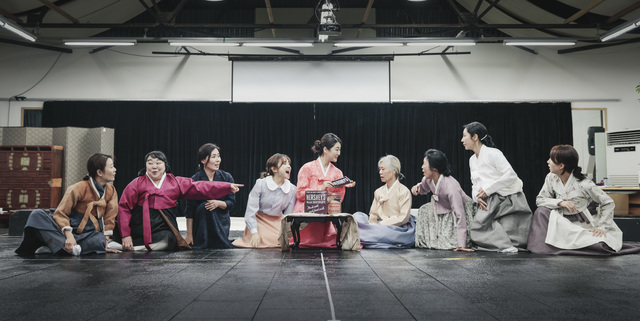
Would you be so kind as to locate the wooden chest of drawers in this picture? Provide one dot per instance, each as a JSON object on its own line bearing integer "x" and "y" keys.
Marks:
{"x": 30, "y": 176}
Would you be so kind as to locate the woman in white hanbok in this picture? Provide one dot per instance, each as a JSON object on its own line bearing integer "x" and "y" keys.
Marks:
{"x": 502, "y": 219}
{"x": 574, "y": 215}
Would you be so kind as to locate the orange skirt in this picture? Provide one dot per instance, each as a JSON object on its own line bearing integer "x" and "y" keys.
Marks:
{"x": 268, "y": 229}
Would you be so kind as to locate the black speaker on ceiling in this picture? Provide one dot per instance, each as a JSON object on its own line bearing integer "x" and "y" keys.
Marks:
{"x": 591, "y": 141}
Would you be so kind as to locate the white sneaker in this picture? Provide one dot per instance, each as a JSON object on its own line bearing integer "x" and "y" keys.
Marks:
{"x": 43, "y": 250}
{"x": 512, "y": 249}
{"x": 113, "y": 245}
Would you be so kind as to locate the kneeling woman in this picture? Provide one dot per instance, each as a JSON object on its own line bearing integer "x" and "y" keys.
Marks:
{"x": 208, "y": 221}
{"x": 563, "y": 223}
{"x": 501, "y": 222}
{"x": 271, "y": 196}
{"x": 442, "y": 223}
{"x": 389, "y": 224}
{"x": 147, "y": 209}
{"x": 85, "y": 218}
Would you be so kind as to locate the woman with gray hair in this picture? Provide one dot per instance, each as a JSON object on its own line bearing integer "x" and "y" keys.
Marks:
{"x": 389, "y": 223}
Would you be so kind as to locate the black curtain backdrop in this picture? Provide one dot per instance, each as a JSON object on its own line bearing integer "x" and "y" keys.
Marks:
{"x": 249, "y": 133}
{"x": 32, "y": 118}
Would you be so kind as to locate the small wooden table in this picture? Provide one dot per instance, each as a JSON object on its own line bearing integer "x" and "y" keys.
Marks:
{"x": 296, "y": 219}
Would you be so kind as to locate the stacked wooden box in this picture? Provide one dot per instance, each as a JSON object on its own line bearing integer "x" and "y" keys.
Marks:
{"x": 78, "y": 144}
{"x": 30, "y": 176}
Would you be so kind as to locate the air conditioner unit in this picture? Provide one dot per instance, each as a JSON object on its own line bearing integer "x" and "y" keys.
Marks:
{"x": 623, "y": 157}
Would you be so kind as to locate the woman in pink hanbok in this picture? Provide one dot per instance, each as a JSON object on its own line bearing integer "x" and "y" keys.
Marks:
{"x": 147, "y": 210}
{"x": 317, "y": 175}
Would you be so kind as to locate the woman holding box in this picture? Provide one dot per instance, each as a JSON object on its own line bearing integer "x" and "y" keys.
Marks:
{"x": 317, "y": 175}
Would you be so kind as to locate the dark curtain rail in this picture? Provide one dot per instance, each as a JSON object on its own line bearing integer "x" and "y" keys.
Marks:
{"x": 249, "y": 133}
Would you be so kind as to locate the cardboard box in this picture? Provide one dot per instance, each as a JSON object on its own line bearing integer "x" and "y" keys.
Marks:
{"x": 315, "y": 202}
{"x": 634, "y": 204}
{"x": 622, "y": 203}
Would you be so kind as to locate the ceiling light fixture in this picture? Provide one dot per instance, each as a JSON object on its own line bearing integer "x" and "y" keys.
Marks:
{"x": 368, "y": 44}
{"x": 550, "y": 42}
{"x": 278, "y": 44}
{"x": 9, "y": 25}
{"x": 99, "y": 42}
{"x": 442, "y": 42}
{"x": 620, "y": 30}
{"x": 203, "y": 43}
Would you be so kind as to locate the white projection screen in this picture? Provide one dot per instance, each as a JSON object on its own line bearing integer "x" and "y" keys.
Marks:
{"x": 310, "y": 81}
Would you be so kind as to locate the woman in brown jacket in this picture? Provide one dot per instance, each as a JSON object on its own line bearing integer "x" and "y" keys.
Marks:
{"x": 84, "y": 220}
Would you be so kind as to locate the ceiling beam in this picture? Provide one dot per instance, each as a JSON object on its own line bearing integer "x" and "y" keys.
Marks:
{"x": 155, "y": 12}
{"x": 623, "y": 12}
{"x": 9, "y": 15}
{"x": 59, "y": 11}
{"x": 156, "y": 8}
{"x": 524, "y": 20}
{"x": 365, "y": 17}
{"x": 453, "y": 5}
{"x": 477, "y": 8}
{"x": 267, "y": 3}
{"x": 305, "y": 26}
{"x": 491, "y": 5}
{"x": 584, "y": 11}
{"x": 177, "y": 10}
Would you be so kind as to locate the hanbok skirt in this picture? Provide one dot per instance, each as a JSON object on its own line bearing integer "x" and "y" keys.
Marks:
{"x": 268, "y": 229}
{"x": 374, "y": 236}
{"x": 211, "y": 229}
{"x": 538, "y": 234}
{"x": 317, "y": 234}
{"x": 42, "y": 230}
{"x": 162, "y": 238}
{"x": 505, "y": 223}
{"x": 440, "y": 231}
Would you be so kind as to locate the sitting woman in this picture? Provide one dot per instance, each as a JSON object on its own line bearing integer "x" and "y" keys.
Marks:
{"x": 83, "y": 222}
{"x": 147, "y": 209}
{"x": 442, "y": 223}
{"x": 317, "y": 175}
{"x": 271, "y": 196}
{"x": 563, "y": 222}
{"x": 389, "y": 224}
{"x": 208, "y": 221}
